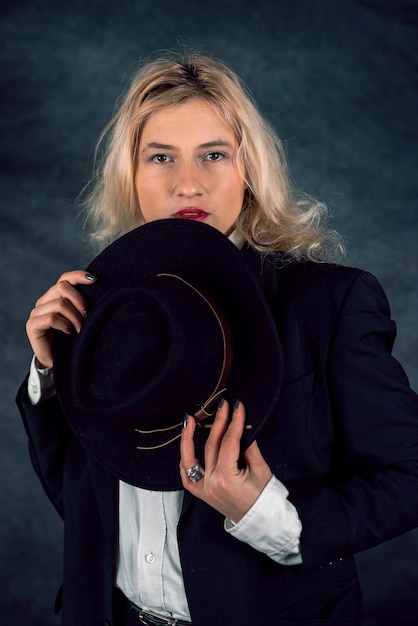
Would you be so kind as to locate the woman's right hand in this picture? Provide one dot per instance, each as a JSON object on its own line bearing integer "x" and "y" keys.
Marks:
{"x": 62, "y": 308}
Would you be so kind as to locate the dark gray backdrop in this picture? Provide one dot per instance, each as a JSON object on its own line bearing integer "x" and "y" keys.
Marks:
{"x": 338, "y": 78}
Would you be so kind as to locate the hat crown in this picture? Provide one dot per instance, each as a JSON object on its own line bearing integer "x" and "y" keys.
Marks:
{"x": 132, "y": 336}
{"x": 155, "y": 334}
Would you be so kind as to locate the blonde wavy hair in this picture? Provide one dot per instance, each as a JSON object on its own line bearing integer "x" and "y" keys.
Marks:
{"x": 272, "y": 219}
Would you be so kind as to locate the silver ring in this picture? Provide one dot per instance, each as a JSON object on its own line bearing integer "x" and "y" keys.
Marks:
{"x": 195, "y": 473}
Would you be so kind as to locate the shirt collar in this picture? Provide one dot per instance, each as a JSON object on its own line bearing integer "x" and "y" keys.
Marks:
{"x": 237, "y": 239}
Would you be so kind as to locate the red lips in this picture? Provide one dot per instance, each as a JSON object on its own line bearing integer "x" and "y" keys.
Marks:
{"x": 191, "y": 213}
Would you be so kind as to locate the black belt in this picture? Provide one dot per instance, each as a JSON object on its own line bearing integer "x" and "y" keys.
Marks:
{"x": 131, "y": 615}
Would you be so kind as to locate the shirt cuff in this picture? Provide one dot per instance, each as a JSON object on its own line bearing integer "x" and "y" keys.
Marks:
{"x": 40, "y": 383}
{"x": 271, "y": 526}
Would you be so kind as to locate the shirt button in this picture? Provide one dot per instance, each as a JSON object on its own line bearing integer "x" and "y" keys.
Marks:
{"x": 35, "y": 389}
{"x": 150, "y": 558}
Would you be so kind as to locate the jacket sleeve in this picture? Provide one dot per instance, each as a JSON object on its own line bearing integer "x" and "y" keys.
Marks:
{"x": 372, "y": 495}
{"x": 48, "y": 435}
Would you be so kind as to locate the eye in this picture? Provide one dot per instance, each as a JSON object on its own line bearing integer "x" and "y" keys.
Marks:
{"x": 160, "y": 158}
{"x": 215, "y": 156}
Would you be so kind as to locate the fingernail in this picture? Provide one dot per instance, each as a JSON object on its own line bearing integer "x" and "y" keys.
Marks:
{"x": 85, "y": 312}
{"x": 91, "y": 277}
{"x": 236, "y": 405}
{"x": 220, "y": 404}
{"x": 185, "y": 420}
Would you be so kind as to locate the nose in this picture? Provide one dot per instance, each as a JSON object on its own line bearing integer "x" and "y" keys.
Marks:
{"x": 189, "y": 180}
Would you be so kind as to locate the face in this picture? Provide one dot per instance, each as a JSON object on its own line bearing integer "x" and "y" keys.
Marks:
{"x": 187, "y": 167}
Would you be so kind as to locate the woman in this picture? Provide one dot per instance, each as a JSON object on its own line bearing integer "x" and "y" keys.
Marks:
{"x": 268, "y": 539}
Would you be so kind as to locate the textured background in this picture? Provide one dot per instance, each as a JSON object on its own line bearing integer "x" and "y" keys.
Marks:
{"x": 338, "y": 78}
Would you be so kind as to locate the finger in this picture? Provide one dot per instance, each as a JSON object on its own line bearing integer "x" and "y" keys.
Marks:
{"x": 64, "y": 287}
{"x": 77, "y": 277}
{"x": 66, "y": 290}
{"x": 38, "y": 325}
{"x": 254, "y": 459}
{"x": 229, "y": 450}
{"x": 217, "y": 432}
{"x": 252, "y": 454}
{"x": 186, "y": 441}
{"x": 58, "y": 314}
{"x": 187, "y": 449}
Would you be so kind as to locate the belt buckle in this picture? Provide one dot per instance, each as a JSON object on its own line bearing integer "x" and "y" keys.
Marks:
{"x": 154, "y": 616}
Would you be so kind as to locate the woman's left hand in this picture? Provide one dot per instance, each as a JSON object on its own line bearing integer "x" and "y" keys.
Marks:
{"x": 224, "y": 486}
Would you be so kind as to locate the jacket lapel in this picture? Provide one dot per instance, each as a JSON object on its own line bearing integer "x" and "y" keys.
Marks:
{"x": 264, "y": 266}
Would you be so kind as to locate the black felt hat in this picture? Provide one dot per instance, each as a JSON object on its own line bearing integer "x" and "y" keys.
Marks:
{"x": 176, "y": 319}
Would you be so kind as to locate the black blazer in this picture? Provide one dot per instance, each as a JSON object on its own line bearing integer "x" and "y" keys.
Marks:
{"x": 344, "y": 441}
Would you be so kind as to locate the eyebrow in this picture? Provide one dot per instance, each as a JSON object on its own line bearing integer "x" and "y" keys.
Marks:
{"x": 209, "y": 144}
